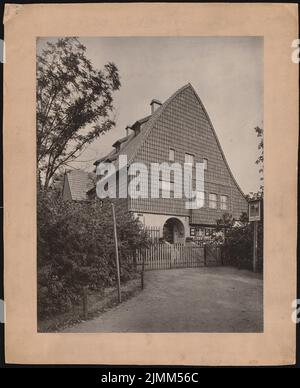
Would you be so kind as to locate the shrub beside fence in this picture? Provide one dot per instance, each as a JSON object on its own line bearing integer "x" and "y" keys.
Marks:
{"x": 76, "y": 250}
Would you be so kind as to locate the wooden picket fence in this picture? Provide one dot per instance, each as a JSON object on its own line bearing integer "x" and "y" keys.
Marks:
{"x": 153, "y": 234}
{"x": 163, "y": 256}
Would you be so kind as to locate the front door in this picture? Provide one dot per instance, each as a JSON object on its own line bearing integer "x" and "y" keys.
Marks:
{"x": 173, "y": 231}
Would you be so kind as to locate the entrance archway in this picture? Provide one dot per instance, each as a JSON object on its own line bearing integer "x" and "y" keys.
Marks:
{"x": 173, "y": 231}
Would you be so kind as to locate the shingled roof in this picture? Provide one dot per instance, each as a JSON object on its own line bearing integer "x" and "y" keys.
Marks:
{"x": 131, "y": 144}
{"x": 76, "y": 185}
{"x": 128, "y": 143}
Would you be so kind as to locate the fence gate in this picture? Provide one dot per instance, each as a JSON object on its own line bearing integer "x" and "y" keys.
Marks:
{"x": 162, "y": 256}
{"x": 213, "y": 255}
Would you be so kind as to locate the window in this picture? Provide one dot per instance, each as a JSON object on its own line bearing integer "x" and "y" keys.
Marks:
{"x": 205, "y": 163}
{"x": 171, "y": 155}
{"x": 166, "y": 187}
{"x": 200, "y": 199}
{"x": 213, "y": 201}
{"x": 189, "y": 159}
{"x": 224, "y": 202}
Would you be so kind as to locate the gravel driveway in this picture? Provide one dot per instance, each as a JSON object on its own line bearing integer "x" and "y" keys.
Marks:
{"x": 215, "y": 299}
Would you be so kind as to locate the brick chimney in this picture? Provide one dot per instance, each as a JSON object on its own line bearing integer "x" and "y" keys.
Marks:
{"x": 155, "y": 104}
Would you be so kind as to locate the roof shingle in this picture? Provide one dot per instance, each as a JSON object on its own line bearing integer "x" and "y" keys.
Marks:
{"x": 80, "y": 182}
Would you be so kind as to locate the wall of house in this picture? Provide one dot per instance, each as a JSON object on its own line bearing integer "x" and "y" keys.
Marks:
{"x": 184, "y": 126}
{"x": 158, "y": 221}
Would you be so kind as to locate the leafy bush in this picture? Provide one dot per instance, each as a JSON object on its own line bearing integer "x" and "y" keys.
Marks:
{"x": 76, "y": 249}
{"x": 237, "y": 248}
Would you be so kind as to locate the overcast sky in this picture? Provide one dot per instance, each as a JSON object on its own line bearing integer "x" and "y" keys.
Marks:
{"x": 227, "y": 74}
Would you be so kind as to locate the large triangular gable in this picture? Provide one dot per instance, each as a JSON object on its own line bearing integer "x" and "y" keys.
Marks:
{"x": 149, "y": 125}
{"x": 143, "y": 136}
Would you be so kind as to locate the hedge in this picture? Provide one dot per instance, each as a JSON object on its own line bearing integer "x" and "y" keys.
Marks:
{"x": 76, "y": 249}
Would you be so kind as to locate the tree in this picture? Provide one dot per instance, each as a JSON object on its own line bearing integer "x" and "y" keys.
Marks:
{"x": 74, "y": 103}
{"x": 226, "y": 221}
{"x": 237, "y": 246}
{"x": 260, "y": 160}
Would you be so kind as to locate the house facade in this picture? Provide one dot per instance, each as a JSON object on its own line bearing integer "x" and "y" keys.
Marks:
{"x": 176, "y": 131}
{"x": 179, "y": 130}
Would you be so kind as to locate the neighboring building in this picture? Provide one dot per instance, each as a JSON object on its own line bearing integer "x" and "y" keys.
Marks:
{"x": 179, "y": 130}
{"x": 76, "y": 185}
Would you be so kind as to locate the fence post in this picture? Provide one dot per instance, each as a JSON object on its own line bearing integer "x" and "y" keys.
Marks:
{"x": 135, "y": 260}
{"x": 255, "y": 246}
{"x": 117, "y": 253}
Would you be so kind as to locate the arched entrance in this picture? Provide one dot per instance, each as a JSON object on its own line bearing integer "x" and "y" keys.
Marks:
{"x": 173, "y": 231}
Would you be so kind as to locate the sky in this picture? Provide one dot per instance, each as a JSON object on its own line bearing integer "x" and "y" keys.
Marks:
{"x": 226, "y": 72}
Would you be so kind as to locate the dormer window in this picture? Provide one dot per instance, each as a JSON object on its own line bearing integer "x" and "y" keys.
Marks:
{"x": 155, "y": 104}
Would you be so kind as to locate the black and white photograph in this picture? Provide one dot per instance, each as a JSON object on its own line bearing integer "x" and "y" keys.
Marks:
{"x": 150, "y": 187}
{"x": 150, "y": 156}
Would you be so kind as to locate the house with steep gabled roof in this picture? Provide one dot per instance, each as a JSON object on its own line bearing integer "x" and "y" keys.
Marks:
{"x": 76, "y": 185}
{"x": 180, "y": 130}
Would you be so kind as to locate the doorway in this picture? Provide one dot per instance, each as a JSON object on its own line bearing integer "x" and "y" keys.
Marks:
{"x": 173, "y": 231}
